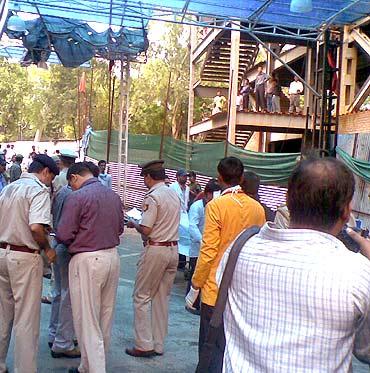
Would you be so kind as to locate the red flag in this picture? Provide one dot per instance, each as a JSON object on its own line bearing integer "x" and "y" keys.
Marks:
{"x": 332, "y": 64}
{"x": 82, "y": 86}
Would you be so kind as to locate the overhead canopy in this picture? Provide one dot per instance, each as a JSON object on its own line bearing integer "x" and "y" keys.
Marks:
{"x": 131, "y": 13}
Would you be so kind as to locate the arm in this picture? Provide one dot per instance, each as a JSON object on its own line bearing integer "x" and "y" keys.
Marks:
{"x": 149, "y": 217}
{"x": 39, "y": 220}
{"x": 70, "y": 221}
{"x": 110, "y": 182}
{"x": 363, "y": 242}
{"x": 210, "y": 245}
{"x": 194, "y": 218}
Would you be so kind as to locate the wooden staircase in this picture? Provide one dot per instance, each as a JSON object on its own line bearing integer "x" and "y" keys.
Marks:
{"x": 216, "y": 66}
{"x": 242, "y": 136}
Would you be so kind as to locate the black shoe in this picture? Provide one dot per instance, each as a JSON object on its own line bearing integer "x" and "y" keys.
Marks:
{"x": 45, "y": 300}
{"x": 72, "y": 354}
{"x": 73, "y": 370}
{"x": 50, "y": 344}
{"x": 158, "y": 353}
{"x": 139, "y": 353}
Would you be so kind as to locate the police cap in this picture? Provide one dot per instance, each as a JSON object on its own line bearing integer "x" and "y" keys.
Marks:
{"x": 151, "y": 166}
{"x": 48, "y": 162}
{"x": 67, "y": 153}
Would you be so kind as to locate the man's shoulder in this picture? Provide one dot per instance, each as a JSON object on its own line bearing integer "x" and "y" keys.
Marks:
{"x": 197, "y": 205}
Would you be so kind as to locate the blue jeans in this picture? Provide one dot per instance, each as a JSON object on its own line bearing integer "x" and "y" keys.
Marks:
{"x": 269, "y": 102}
{"x": 61, "y": 331}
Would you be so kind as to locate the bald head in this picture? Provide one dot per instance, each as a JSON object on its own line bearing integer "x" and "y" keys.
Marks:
{"x": 320, "y": 192}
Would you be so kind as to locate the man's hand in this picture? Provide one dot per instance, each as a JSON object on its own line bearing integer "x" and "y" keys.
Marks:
{"x": 51, "y": 255}
{"x": 363, "y": 242}
{"x": 194, "y": 287}
{"x": 130, "y": 224}
{"x": 191, "y": 297}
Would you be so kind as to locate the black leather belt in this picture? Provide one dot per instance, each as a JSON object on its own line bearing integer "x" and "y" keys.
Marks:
{"x": 22, "y": 249}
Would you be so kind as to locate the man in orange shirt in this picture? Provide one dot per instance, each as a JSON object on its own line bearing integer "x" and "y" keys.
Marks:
{"x": 225, "y": 217}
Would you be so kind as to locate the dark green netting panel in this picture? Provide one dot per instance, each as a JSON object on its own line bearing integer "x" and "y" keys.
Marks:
{"x": 358, "y": 167}
{"x": 273, "y": 168}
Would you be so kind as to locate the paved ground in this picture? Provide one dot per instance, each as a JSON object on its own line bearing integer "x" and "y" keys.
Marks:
{"x": 181, "y": 347}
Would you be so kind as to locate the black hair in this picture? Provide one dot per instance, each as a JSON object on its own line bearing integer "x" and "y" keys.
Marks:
{"x": 156, "y": 174}
{"x": 67, "y": 161}
{"x": 318, "y": 192}
{"x": 19, "y": 158}
{"x": 251, "y": 183}
{"x": 231, "y": 169}
{"x": 192, "y": 174}
{"x": 212, "y": 186}
{"x": 93, "y": 168}
{"x": 79, "y": 168}
{"x": 102, "y": 161}
{"x": 36, "y": 167}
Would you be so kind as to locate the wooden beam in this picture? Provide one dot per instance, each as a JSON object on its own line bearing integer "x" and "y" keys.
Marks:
{"x": 202, "y": 47}
{"x": 348, "y": 73}
{"x": 361, "y": 39}
{"x": 193, "y": 40}
{"x": 360, "y": 97}
{"x": 233, "y": 83}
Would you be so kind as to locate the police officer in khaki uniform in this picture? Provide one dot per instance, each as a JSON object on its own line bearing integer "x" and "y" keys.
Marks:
{"x": 24, "y": 217}
{"x": 67, "y": 158}
{"x": 157, "y": 265}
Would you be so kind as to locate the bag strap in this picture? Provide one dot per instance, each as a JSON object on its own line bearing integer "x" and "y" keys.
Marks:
{"x": 217, "y": 317}
{"x": 216, "y": 323}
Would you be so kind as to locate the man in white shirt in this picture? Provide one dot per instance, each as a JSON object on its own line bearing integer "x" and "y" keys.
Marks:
{"x": 183, "y": 191}
{"x": 299, "y": 301}
{"x": 295, "y": 91}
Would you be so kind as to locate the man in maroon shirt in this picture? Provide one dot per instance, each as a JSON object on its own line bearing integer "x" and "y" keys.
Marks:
{"x": 91, "y": 224}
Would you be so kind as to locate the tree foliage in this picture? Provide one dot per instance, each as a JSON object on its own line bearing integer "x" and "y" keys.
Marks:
{"x": 32, "y": 98}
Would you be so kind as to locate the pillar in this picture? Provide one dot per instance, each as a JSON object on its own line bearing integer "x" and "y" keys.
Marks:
{"x": 193, "y": 40}
{"x": 233, "y": 82}
{"x": 348, "y": 73}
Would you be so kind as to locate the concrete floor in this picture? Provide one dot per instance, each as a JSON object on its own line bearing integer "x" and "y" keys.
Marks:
{"x": 182, "y": 341}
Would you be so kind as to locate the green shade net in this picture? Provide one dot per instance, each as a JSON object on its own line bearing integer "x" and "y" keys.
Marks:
{"x": 273, "y": 168}
{"x": 358, "y": 167}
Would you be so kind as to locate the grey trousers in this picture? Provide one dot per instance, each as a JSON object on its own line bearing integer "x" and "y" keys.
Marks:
{"x": 156, "y": 273}
{"x": 61, "y": 331}
{"x": 294, "y": 104}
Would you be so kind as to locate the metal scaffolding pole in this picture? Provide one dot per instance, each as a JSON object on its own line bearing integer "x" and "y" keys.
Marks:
{"x": 123, "y": 128}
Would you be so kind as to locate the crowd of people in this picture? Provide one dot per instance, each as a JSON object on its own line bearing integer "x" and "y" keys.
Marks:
{"x": 296, "y": 298}
{"x": 267, "y": 93}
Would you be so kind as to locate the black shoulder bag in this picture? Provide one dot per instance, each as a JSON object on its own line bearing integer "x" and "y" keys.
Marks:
{"x": 216, "y": 323}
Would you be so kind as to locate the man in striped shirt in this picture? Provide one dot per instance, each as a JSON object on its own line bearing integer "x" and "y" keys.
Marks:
{"x": 299, "y": 301}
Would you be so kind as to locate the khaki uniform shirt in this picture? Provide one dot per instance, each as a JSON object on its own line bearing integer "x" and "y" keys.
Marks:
{"x": 161, "y": 211}
{"x": 22, "y": 203}
{"x": 60, "y": 180}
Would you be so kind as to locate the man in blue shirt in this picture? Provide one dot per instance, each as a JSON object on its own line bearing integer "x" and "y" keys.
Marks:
{"x": 196, "y": 226}
{"x": 103, "y": 177}
{"x": 3, "y": 177}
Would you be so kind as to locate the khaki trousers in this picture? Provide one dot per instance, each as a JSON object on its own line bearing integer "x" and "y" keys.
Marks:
{"x": 93, "y": 281}
{"x": 20, "y": 303}
{"x": 156, "y": 273}
{"x": 294, "y": 103}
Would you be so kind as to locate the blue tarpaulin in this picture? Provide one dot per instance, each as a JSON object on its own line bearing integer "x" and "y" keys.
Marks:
{"x": 130, "y": 13}
{"x": 75, "y": 42}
